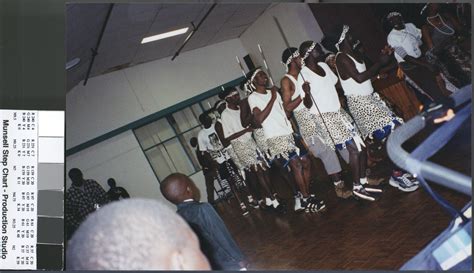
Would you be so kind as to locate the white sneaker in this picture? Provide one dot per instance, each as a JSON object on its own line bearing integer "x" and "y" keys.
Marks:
{"x": 403, "y": 183}
{"x": 411, "y": 178}
{"x": 364, "y": 182}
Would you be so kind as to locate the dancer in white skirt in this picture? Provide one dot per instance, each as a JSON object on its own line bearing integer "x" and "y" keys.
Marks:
{"x": 262, "y": 151}
{"x": 334, "y": 126}
{"x": 211, "y": 149}
{"x": 220, "y": 106}
{"x": 245, "y": 147}
{"x": 372, "y": 117}
{"x": 295, "y": 101}
{"x": 267, "y": 109}
{"x": 236, "y": 166}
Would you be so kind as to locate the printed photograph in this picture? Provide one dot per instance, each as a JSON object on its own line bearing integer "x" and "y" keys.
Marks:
{"x": 268, "y": 136}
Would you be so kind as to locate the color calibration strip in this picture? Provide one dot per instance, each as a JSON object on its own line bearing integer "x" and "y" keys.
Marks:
{"x": 32, "y": 189}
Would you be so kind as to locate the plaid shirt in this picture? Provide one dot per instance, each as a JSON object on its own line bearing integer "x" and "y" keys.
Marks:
{"x": 79, "y": 203}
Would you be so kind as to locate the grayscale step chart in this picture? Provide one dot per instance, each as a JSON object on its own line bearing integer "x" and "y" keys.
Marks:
{"x": 32, "y": 189}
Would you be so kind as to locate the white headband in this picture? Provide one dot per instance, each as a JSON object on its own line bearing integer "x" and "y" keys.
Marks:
{"x": 423, "y": 9}
{"x": 393, "y": 14}
{"x": 345, "y": 29}
{"x": 231, "y": 94}
{"x": 247, "y": 88}
{"x": 254, "y": 74}
{"x": 220, "y": 103}
{"x": 313, "y": 45}
{"x": 292, "y": 56}
{"x": 250, "y": 87}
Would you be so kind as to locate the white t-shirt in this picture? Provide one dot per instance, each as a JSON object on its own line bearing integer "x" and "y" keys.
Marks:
{"x": 323, "y": 89}
{"x": 405, "y": 42}
{"x": 276, "y": 123}
{"x": 298, "y": 91}
{"x": 231, "y": 124}
{"x": 353, "y": 88}
{"x": 209, "y": 141}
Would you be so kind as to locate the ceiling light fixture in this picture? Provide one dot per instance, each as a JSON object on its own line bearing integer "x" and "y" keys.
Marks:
{"x": 165, "y": 35}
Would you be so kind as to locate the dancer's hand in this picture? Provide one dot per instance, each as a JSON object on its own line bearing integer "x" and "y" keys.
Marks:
{"x": 306, "y": 87}
{"x": 387, "y": 50}
{"x": 385, "y": 55}
{"x": 274, "y": 92}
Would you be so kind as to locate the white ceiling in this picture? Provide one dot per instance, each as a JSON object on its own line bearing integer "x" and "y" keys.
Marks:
{"x": 129, "y": 23}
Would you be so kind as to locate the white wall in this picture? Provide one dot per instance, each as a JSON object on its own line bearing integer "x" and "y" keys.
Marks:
{"x": 112, "y": 100}
{"x": 298, "y": 24}
{"x": 115, "y": 99}
{"x": 121, "y": 158}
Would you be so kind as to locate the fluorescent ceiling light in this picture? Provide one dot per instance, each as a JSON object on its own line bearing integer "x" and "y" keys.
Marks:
{"x": 165, "y": 35}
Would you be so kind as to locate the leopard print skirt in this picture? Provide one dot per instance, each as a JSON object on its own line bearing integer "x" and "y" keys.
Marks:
{"x": 306, "y": 124}
{"x": 247, "y": 154}
{"x": 234, "y": 157}
{"x": 371, "y": 114}
{"x": 282, "y": 146}
{"x": 340, "y": 126}
{"x": 261, "y": 140}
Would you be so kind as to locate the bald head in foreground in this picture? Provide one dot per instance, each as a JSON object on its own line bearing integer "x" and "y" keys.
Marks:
{"x": 135, "y": 234}
{"x": 216, "y": 242}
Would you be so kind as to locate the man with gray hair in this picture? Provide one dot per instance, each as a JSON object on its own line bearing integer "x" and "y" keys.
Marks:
{"x": 135, "y": 234}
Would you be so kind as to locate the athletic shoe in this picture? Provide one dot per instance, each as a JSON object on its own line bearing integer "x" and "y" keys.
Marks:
{"x": 368, "y": 187}
{"x": 298, "y": 206}
{"x": 305, "y": 205}
{"x": 412, "y": 179}
{"x": 254, "y": 204}
{"x": 372, "y": 189}
{"x": 320, "y": 207}
{"x": 341, "y": 192}
{"x": 244, "y": 209}
{"x": 360, "y": 192}
{"x": 403, "y": 183}
{"x": 314, "y": 205}
{"x": 312, "y": 198}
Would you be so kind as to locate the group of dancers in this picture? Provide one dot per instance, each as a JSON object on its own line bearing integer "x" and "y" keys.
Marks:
{"x": 282, "y": 127}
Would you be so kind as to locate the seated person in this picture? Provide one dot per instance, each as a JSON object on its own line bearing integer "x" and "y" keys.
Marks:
{"x": 216, "y": 242}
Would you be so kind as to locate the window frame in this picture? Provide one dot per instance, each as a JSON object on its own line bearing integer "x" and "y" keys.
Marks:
{"x": 178, "y": 136}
